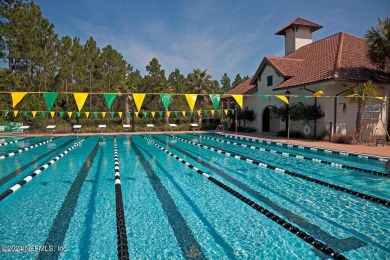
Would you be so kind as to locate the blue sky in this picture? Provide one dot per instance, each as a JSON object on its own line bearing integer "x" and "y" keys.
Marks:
{"x": 217, "y": 35}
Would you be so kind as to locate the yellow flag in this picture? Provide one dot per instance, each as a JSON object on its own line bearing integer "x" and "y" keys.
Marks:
{"x": 198, "y": 112}
{"x": 380, "y": 98}
{"x": 52, "y": 113}
{"x": 239, "y": 99}
{"x": 318, "y": 94}
{"x": 283, "y": 98}
{"x": 191, "y": 99}
{"x": 16, "y": 113}
{"x": 70, "y": 114}
{"x": 138, "y": 99}
{"x": 225, "y": 111}
{"x": 352, "y": 95}
{"x": 104, "y": 114}
{"x": 136, "y": 114}
{"x": 87, "y": 114}
{"x": 168, "y": 113}
{"x": 34, "y": 113}
{"x": 17, "y": 97}
{"x": 153, "y": 113}
{"x": 212, "y": 112}
{"x": 80, "y": 99}
{"x": 120, "y": 114}
{"x": 184, "y": 113}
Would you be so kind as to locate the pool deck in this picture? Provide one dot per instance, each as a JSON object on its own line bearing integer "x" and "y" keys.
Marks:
{"x": 379, "y": 150}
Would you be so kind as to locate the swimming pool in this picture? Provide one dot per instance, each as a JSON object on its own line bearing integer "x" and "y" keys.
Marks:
{"x": 189, "y": 196}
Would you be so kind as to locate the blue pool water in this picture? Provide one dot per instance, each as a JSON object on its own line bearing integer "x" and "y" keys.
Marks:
{"x": 171, "y": 211}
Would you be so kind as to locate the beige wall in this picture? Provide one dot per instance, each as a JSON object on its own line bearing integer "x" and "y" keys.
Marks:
{"x": 296, "y": 38}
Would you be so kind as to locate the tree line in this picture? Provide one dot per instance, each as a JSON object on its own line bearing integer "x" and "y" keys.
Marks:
{"x": 36, "y": 59}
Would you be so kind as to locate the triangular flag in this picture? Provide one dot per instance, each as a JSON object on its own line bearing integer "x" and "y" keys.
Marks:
{"x": 168, "y": 113}
{"x": 191, "y": 113}
{"x": 318, "y": 94}
{"x": 307, "y": 97}
{"x": 219, "y": 112}
{"x": 17, "y": 97}
{"x": 265, "y": 97}
{"x": 380, "y": 98}
{"x": 205, "y": 112}
{"x": 120, "y": 114}
{"x": 50, "y": 98}
{"x": 138, "y": 99}
{"x": 212, "y": 112}
{"x": 352, "y": 95}
{"x": 16, "y": 113}
{"x": 70, "y": 114}
{"x": 166, "y": 99}
{"x": 232, "y": 111}
{"x": 80, "y": 99}
{"x": 198, "y": 112}
{"x": 176, "y": 113}
{"x": 5, "y": 112}
{"x": 144, "y": 113}
{"x": 78, "y": 114}
{"x": 136, "y": 114}
{"x": 104, "y": 114}
{"x": 109, "y": 97}
{"x": 25, "y": 113}
{"x": 95, "y": 114}
{"x": 225, "y": 111}
{"x": 239, "y": 99}
{"x": 153, "y": 114}
{"x": 112, "y": 114}
{"x": 52, "y": 113}
{"x": 87, "y": 114}
{"x": 191, "y": 99}
{"x": 43, "y": 113}
{"x": 160, "y": 113}
{"x": 215, "y": 98}
{"x": 34, "y": 113}
{"x": 128, "y": 114}
{"x": 283, "y": 98}
{"x": 184, "y": 113}
{"x": 61, "y": 113}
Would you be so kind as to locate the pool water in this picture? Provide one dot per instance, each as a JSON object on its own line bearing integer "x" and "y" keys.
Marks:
{"x": 171, "y": 210}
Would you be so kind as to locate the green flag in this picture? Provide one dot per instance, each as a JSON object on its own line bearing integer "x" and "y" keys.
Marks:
{"x": 78, "y": 114}
{"x": 112, "y": 114}
{"x": 160, "y": 113}
{"x": 50, "y": 98}
{"x": 215, "y": 99}
{"x": 166, "y": 99}
{"x": 191, "y": 113}
{"x": 95, "y": 114}
{"x": 109, "y": 99}
{"x": 61, "y": 113}
{"x": 25, "y": 113}
{"x": 43, "y": 113}
{"x": 5, "y": 112}
{"x": 176, "y": 113}
{"x": 205, "y": 112}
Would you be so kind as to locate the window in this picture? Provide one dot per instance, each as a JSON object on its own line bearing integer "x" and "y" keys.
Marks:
{"x": 269, "y": 81}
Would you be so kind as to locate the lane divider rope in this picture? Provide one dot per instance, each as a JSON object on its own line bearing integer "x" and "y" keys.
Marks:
{"x": 343, "y": 153}
{"x": 381, "y": 201}
{"x": 24, "y": 149}
{"x": 338, "y": 165}
{"x": 288, "y": 226}
{"x": 18, "y": 185}
{"x": 122, "y": 244}
{"x": 11, "y": 142}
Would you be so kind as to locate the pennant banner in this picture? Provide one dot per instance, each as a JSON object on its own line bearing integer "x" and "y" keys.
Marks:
{"x": 104, "y": 114}
{"x": 283, "y": 98}
{"x": 87, "y": 114}
{"x": 191, "y": 99}
{"x": 153, "y": 114}
{"x": 34, "y": 113}
{"x": 109, "y": 98}
{"x": 95, "y": 114}
{"x": 80, "y": 99}
{"x": 215, "y": 98}
{"x": 70, "y": 114}
{"x": 239, "y": 99}
{"x": 50, "y": 98}
{"x": 265, "y": 97}
{"x": 61, "y": 113}
{"x": 120, "y": 114}
{"x": 138, "y": 99}
{"x": 17, "y": 97}
{"x": 52, "y": 113}
{"x": 166, "y": 100}
{"x": 318, "y": 94}
{"x": 16, "y": 113}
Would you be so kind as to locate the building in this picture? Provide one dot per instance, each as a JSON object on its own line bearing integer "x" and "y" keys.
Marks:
{"x": 333, "y": 65}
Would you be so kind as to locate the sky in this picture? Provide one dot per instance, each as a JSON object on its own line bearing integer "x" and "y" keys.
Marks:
{"x": 222, "y": 36}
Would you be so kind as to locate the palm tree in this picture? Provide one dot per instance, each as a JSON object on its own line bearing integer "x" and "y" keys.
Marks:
{"x": 202, "y": 84}
{"x": 361, "y": 95}
{"x": 378, "y": 41}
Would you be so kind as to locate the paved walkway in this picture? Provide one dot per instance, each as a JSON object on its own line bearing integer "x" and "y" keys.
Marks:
{"x": 366, "y": 149}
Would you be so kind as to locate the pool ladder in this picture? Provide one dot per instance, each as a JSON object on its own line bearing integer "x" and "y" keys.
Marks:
{"x": 220, "y": 128}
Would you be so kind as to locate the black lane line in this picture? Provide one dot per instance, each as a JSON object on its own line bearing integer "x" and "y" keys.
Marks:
{"x": 122, "y": 244}
{"x": 209, "y": 227}
{"x": 341, "y": 245}
{"x": 378, "y": 200}
{"x": 184, "y": 236}
{"x": 61, "y": 223}
{"x": 377, "y": 158}
{"x": 20, "y": 169}
{"x": 288, "y": 226}
{"x": 298, "y": 156}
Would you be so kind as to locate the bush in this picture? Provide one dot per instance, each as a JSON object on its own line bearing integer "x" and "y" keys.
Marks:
{"x": 293, "y": 134}
{"x": 343, "y": 139}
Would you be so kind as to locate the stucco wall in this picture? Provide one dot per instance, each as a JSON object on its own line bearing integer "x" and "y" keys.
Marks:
{"x": 296, "y": 39}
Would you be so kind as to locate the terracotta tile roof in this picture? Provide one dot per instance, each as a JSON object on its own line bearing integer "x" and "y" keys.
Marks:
{"x": 244, "y": 88}
{"x": 300, "y": 22}
{"x": 340, "y": 56}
